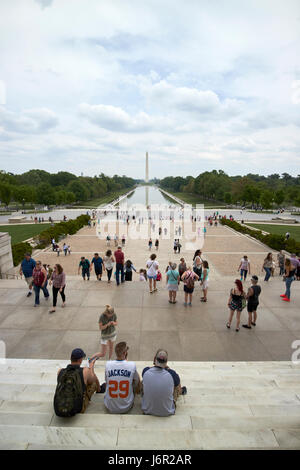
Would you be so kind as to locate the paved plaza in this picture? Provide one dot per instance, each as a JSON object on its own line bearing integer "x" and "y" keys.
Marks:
{"x": 147, "y": 321}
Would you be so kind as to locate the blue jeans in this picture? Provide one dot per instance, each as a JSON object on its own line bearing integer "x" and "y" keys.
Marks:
{"x": 244, "y": 273}
{"x": 288, "y": 282}
{"x": 85, "y": 272}
{"x": 37, "y": 292}
{"x": 268, "y": 274}
{"x": 119, "y": 269}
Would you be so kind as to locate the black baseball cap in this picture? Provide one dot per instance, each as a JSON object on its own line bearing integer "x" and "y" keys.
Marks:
{"x": 78, "y": 354}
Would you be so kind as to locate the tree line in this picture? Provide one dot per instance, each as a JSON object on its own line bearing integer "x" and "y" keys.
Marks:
{"x": 41, "y": 187}
{"x": 252, "y": 189}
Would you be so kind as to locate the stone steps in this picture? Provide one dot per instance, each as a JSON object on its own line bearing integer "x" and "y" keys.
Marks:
{"x": 241, "y": 405}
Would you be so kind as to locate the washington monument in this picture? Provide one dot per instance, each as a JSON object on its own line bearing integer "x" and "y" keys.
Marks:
{"x": 147, "y": 168}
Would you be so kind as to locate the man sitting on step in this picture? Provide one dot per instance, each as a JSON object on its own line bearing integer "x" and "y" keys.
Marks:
{"x": 122, "y": 381}
{"x": 75, "y": 386}
{"x": 161, "y": 387}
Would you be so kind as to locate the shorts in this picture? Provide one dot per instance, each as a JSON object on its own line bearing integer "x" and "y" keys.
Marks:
{"x": 98, "y": 271}
{"x": 251, "y": 307}
{"x": 29, "y": 280}
{"x": 204, "y": 285}
{"x": 188, "y": 290}
{"x": 173, "y": 287}
{"x": 105, "y": 341}
{"x": 152, "y": 277}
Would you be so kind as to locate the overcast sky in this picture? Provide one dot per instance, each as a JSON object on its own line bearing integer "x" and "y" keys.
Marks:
{"x": 91, "y": 85}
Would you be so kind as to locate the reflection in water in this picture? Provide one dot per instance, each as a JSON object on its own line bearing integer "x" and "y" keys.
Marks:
{"x": 147, "y": 195}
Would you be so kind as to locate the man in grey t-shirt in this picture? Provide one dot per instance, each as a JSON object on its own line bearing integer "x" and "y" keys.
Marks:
{"x": 161, "y": 387}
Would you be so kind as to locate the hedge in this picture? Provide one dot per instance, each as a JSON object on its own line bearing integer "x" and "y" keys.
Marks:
{"x": 18, "y": 251}
{"x": 60, "y": 230}
{"x": 276, "y": 242}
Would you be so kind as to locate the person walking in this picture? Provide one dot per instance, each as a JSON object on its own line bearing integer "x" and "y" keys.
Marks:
{"x": 281, "y": 261}
{"x": 204, "y": 280}
{"x": 107, "y": 325}
{"x": 128, "y": 270}
{"x": 244, "y": 267}
{"x": 85, "y": 266}
{"x": 119, "y": 257}
{"x": 253, "y": 302}
{"x": 65, "y": 248}
{"x": 156, "y": 243}
{"x": 97, "y": 261}
{"x": 172, "y": 279}
{"x": 26, "y": 269}
{"x": 267, "y": 266}
{"x": 188, "y": 278}
{"x": 289, "y": 276}
{"x": 152, "y": 267}
{"x": 39, "y": 280}
{"x": 197, "y": 263}
{"x": 108, "y": 262}
{"x": 236, "y": 303}
{"x": 58, "y": 282}
{"x": 150, "y": 244}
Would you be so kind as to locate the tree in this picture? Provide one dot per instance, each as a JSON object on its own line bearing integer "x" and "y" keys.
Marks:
{"x": 5, "y": 193}
{"x": 279, "y": 197}
{"x": 45, "y": 194}
{"x": 266, "y": 199}
{"x": 79, "y": 189}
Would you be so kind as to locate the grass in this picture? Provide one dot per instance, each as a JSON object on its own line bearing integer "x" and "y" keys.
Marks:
{"x": 19, "y": 233}
{"x": 279, "y": 230}
{"x": 194, "y": 199}
{"x": 106, "y": 199}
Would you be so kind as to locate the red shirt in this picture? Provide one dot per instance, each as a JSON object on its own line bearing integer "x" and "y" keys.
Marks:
{"x": 38, "y": 277}
{"x": 119, "y": 255}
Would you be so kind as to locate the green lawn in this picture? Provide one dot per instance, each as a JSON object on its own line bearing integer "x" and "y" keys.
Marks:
{"x": 194, "y": 199}
{"x": 19, "y": 233}
{"x": 279, "y": 229}
{"x": 106, "y": 199}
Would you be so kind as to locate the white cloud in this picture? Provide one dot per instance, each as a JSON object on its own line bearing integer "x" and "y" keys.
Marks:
{"x": 28, "y": 121}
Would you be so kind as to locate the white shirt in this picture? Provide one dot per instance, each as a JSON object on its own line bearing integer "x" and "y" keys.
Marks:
{"x": 152, "y": 266}
{"x": 119, "y": 377}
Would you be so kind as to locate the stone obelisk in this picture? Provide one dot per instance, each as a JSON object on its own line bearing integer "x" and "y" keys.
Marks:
{"x": 147, "y": 168}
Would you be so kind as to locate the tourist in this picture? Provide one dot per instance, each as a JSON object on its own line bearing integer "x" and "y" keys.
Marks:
{"x": 281, "y": 260}
{"x": 58, "y": 282}
{"x": 122, "y": 381}
{"x": 128, "y": 270}
{"x": 156, "y": 243}
{"x": 178, "y": 246}
{"x": 267, "y": 266}
{"x": 53, "y": 242}
{"x": 295, "y": 261}
{"x": 197, "y": 263}
{"x": 150, "y": 244}
{"x": 161, "y": 387}
{"x": 289, "y": 276}
{"x": 253, "y": 302}
{"x": 119, "y": 257}
{"x": 143, "y": 275}
{"x": 108, "y": 240}
{"x": 123, "y": 239}
{"x": 116, "y": 239}
{"x": 26, "y": 268}
{"x": 236, "y": 303}
{"x": 97, "y": 261}
{"x": 107, "y": 325}
{"x": 204, "y": 280}
{"x": 65, "y": 248}
{"x": 172, "y": 279}
{"x": 244, "y": 267}
{"x": 188, "y": 279}
{"x": 70, "y": 400}
{"x": 152, "y": 267}
{"x": 182, "y": 267}
{"x": 85, "y": 266}
{"x": 287, "y": 235}
{"x": 108, "y": 263}
{"x": 175, "y": 246}
{"x": 39, "y": 281}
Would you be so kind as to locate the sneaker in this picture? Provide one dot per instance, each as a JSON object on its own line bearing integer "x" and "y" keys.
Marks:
{"x": 282, "y": 295}
{"x": 252, "y": 323}
{"x": 286, "y": 299}
{"x": 29, "y": 294}
{"x": 246, "y": 326}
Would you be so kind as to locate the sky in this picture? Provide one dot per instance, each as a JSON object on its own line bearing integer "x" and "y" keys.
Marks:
{"x": 91, "y": 86}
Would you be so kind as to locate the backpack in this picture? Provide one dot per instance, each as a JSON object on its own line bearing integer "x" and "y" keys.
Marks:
{"x": 68, "y": 398}
{"x": 190, "y": 284}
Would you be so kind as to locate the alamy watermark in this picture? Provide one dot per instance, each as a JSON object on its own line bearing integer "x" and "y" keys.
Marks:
{"x": 141, "y": 222}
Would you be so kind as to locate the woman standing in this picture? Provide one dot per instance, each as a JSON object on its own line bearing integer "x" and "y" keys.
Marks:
{"x": 235, "y": 303}
{"x": 182, "y": 267}
{"x": 107, "y": 326}
{"x": 152, "y": 267}
{"x": 172, "y": 283}
{"x": 188, "y": 279}
{"x": 267, "y": 266}
{"x": 197, "y": 263}
{"x": 58, "y": 281}
{"x": 108, "y": 264}
{"x": 204, "y": 281}
{"x": 156, "y": 244}
{"x": 289, "y": 276}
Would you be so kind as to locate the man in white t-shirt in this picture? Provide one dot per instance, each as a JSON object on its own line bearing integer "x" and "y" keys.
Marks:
{"x": 122, "y": 381}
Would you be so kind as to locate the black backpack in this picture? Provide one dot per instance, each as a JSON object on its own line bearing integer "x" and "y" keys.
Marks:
{"x": 68, "y": 398}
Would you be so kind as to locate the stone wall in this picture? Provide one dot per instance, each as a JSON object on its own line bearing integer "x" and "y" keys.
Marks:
{"x": 6, "y": 261}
